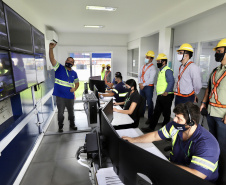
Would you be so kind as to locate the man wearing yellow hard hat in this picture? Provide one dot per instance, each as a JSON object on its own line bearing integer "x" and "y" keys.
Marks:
{"x": 146, "y": 78}
{"x": 189, "y": 79}
{"x": 215, "y": 97}
{"x": 102, "y": 71}
{"x": 165, "y": 95}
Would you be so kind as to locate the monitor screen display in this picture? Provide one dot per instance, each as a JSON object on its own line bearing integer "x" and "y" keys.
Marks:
{"x": 40, "y": 68}
{"x": 6, "y": 78}
{"x": 108, "y": 110}
{"x": 39, "y": 41}
{"x": 3, "y": 32}
{"x": 96, "y": 94}
{"x": 24, "y": 70}
{"x": 100, "y": 85}
{"x": 19, "y": 31}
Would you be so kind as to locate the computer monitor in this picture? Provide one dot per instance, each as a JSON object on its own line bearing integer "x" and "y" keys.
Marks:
{"x": 108, "y": 110}
{"x": 24, "y": 70}
{"x": 6, "y": 76}
{"x": 96, "y": 94}
{"x": 3, "y": 31}
{"x": 110, "y": 141}
{"x": 19, "y": 31}
{"x": 39, "y": 41}
{"x": 134, "y": 160}
{"x": 100, "y": 84}
{"x": 40, "y": 62}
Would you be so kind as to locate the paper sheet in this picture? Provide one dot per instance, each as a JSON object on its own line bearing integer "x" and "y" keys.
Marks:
{"x": 107, "y": 176}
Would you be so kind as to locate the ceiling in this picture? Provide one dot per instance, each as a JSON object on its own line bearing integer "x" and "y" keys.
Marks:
{"x": 70, "y": 16}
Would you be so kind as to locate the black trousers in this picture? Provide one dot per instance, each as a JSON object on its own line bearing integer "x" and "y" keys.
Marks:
{"x": 162, "y": 106}
{"x": 61, "y": 104}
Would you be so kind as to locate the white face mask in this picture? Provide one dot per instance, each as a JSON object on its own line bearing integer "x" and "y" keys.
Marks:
{"x": 146, "y": 60}
{"x": 179, "y": 57}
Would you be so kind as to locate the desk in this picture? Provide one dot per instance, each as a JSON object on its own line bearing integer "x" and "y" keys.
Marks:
{"x": 104, "y": 175}
{"x": 118, "y": 118}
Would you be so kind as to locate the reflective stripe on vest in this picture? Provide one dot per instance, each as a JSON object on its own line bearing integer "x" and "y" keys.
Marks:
{"x": 178, "y": 84}
{"x": 64, "y": 83}
{"x": 214, "y": 91}
{"x": 122, "y": 94}
{"x": 161, "y": 82}
{"x": 143, "y": 72}
{"x": 204, "y": 163}
{"x": 56, "y": 66}
{"x": 173, "y": 134}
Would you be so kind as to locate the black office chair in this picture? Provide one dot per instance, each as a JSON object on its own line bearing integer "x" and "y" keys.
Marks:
{"x": 222, "y": 169}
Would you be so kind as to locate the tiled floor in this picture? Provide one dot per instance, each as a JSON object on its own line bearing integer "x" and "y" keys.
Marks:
{"x": 54, "y": 162}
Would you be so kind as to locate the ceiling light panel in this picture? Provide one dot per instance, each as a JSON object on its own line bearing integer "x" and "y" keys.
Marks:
{"x": 101, "y": 8}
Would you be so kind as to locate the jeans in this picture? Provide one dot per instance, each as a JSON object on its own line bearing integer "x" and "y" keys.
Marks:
{"x": 147, "y": 93}
{"x": 61, "y": 104}
{"x": 181, "y": 99}
{"x": 218, "y": 129}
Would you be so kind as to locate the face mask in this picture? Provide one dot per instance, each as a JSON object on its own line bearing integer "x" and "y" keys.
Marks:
{"x": 159, "y": 65}
{"x": 179, "y": 57}
{"x": 146, "y": 60}
{"x": 179, "y": 126}
{"x": 219, "y": 57}
{"x": 68, "y": 65}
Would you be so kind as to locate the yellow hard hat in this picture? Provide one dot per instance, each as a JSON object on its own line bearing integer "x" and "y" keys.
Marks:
{"x": 161, "y": 56}
{"x": 186, "y": 47}
{"x": 150, "y": 54}
{"x": 103, "y": 65}
{"x": 222, "y": 43}
{"x": 108, "y": 65}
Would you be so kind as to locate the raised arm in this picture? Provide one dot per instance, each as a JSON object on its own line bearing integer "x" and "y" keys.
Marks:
{"x": 51, "y": 55}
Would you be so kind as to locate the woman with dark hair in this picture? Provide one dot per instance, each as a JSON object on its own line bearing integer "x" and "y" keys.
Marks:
{"x": 131, "y": 103}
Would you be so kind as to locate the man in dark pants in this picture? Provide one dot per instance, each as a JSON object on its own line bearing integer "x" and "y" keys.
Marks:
{"x": 146, "y": 82}
{"x": 165, "y": 95}
{"x": 66, "y": 83}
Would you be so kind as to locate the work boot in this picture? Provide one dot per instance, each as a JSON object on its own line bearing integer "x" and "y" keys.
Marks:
{"x": 73, "y": 127}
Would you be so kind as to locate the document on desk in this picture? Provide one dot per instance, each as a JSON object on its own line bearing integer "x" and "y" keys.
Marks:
{"x": 107, "y": 176}
{"x": 131, "y": 132}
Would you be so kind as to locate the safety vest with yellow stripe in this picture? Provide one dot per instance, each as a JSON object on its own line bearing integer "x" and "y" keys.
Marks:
{"x": 161, "y": 81}
{"x": 102, "y": 74}
{"x": 173, "y": 133}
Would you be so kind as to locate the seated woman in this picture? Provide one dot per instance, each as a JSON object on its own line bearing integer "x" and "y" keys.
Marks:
{"x": 131, "y": 104}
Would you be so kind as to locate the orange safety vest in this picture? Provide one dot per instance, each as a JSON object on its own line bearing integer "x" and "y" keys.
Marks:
{"x": 214, "y": 91}
{"x": 105, "y": 77}
{"x": 178, "y": 84}
{"x": 143, "y": 72}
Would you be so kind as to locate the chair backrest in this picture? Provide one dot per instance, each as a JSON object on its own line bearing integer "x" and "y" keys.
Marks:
{"x": 222, "y": 169}
{"x": 141, "y": 106}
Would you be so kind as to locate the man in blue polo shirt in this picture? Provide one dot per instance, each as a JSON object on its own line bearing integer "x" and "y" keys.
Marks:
{"x": 194, "y": 149}
{"x": 120, "y": 91}
{"x": 66, "y": 83}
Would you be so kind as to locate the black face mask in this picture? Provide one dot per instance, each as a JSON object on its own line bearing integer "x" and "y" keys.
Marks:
{"x": 219, "y": 57}
{"x": 68, "y": 65}
{"x": 159, "y": 65}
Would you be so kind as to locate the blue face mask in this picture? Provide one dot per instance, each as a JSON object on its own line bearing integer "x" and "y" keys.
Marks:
{"x": 179, "y": 126}
{"x": 146, "y": 60}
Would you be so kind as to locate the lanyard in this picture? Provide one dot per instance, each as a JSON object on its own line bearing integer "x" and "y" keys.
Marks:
{"x": 67, "y": 75}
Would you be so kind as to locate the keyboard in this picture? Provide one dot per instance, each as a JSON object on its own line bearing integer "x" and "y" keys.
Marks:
{"x": 90, "y": 97}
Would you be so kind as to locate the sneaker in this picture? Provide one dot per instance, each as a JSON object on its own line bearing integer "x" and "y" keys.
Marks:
{"x": 60, "y": 130}
{"x": 73, "y": 127}
{"x": 148, "y": 129}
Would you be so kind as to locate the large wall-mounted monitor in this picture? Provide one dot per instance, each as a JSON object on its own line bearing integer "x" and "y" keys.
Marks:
{"x": 39, "y": 41}
{"x": 24, "y": 70}
{"x": 40, "y": 62}
{"x": 3, "y": 31}
{"x": 6, "y": 76}
{"x": 19, "y": 31}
